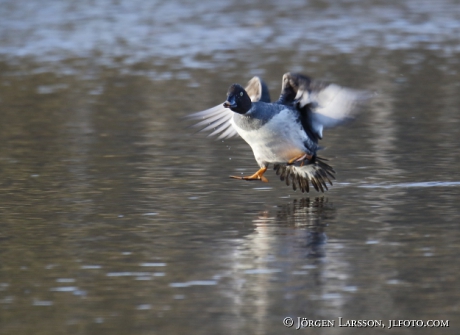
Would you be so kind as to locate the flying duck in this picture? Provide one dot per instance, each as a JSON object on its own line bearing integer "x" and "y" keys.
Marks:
{"x": 284, "y": 133}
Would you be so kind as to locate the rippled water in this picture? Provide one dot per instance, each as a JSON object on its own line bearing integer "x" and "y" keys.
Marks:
{"x": 118, "y": 219}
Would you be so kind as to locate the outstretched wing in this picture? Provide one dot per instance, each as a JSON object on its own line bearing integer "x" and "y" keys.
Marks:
{"x": 257, "y": 90}
{"x": 217, "y": 119}
{"x": 324, "y": 105}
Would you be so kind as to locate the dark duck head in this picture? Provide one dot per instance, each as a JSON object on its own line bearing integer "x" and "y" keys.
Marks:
{"x": 238, "y": 99}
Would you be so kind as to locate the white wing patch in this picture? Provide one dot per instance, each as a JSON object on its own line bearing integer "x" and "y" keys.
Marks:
{"x": 331, "y": 106}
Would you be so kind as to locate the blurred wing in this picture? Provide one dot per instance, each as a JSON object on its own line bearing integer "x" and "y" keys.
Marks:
{"x": 218, "y": 118}
{"x": 291, "y": 84}
{"x": 329, "y": 104}
{"x": 258, "y": 90}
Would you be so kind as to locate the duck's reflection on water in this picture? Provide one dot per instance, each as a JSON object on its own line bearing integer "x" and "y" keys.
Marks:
{"x": 285, "y": 260}
{"x": 306, "y": 211}
{"x": 307, "y": 219}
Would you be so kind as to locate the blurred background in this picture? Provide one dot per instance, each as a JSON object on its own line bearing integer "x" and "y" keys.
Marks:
{"x": 116, "y": 218}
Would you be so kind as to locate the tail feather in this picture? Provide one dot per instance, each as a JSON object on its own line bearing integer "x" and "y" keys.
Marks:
{"x": 316, "y": 172}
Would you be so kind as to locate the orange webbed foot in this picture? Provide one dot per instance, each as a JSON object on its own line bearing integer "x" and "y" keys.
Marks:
{"x": 259, "y": 175}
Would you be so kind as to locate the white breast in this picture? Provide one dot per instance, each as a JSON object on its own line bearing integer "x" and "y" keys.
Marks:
{"x": 279, "y": 140}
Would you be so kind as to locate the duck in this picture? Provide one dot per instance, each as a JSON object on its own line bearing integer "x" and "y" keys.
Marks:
{"x": 284, "y": 133}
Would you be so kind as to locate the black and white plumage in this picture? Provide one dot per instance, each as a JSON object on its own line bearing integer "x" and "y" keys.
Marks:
{"x": 284, "y": 133}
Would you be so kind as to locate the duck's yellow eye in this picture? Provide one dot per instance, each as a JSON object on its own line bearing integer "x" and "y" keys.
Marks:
{"x": 241, "y": 94}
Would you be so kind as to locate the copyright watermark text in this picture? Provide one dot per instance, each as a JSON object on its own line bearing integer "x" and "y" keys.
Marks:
{"x": 300, "y": 322}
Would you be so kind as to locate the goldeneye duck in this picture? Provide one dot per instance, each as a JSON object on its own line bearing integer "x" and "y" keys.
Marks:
{"x": 284, "y": 133}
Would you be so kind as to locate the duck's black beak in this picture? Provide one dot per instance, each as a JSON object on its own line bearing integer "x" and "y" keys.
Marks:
{"x": 230, "y": 103}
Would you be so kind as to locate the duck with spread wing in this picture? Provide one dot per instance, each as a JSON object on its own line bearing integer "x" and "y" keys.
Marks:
{"x": 284, "y": 133}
